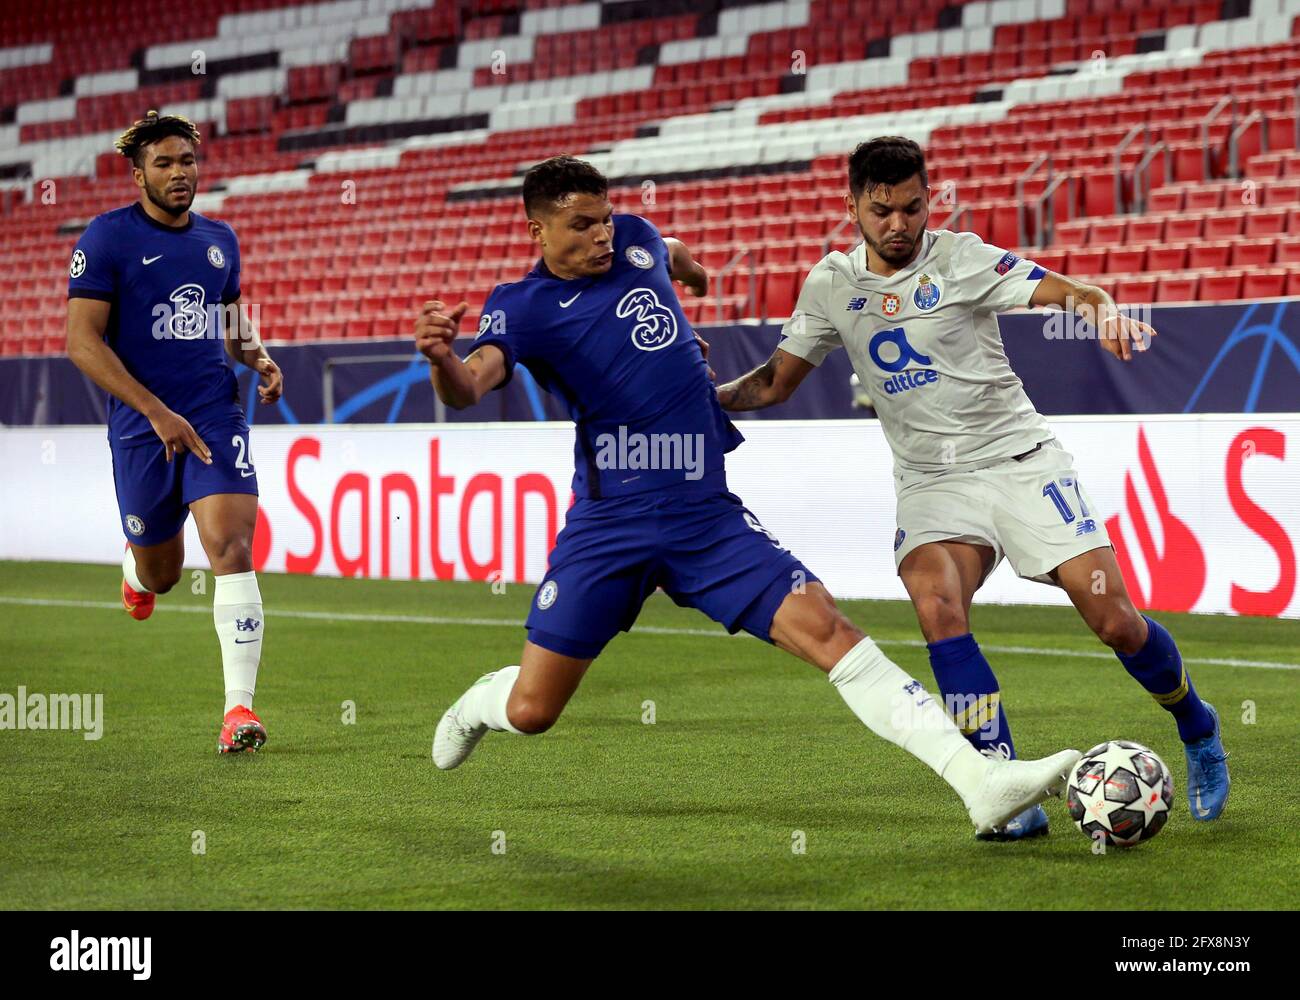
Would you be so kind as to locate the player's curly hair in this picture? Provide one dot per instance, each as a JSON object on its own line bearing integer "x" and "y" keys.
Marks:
{"x": 151, "y": 128}
{"x": 551, "y": 180}
{"x": 886, "y": 159}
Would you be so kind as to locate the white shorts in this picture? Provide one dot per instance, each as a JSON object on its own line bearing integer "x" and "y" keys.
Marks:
{"x": 1033, "y": 511}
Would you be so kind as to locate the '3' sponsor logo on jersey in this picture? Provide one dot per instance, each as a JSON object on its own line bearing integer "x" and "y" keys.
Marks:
{"x": 189, "y": 318}
{"x": 655, "y": 326}
{"x": 908, "y": 356}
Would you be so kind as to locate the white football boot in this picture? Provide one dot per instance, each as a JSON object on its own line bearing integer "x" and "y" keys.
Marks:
{"x": 454, "y": 740}
{"x": 1009, "y": 787}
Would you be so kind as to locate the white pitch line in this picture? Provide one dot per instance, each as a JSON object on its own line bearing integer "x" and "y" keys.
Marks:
{"x": 335, "y": 616}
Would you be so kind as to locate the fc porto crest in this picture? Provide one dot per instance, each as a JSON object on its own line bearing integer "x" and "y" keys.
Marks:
{"x": 927, "y": 293}
{"x": 890, "y": 305}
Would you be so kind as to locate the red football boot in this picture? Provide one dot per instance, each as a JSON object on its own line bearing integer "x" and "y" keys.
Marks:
{"x": 138, "y": 605}
{"x": 241, "y": 730}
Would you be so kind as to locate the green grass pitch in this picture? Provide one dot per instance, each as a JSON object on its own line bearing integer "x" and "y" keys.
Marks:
{"x": 699, "y": 809}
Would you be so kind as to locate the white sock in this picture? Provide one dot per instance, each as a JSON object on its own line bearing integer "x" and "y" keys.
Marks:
{"x": 895, "y": 706}
{"x": 237, "y": 614}
{"x": 129, "y": 574}
{"x": 485, "y": 703}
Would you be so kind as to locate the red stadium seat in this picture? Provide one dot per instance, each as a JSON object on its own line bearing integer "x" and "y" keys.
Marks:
{"x": 1169, "y": 257}
{"x": 1203, "y": 255}
{"x": 1252, "y": 253}
{"x": 1131, "y": 291}
{"x": 1220, "y": 287}
{"x": 1176, "y": 288}
{"x": 1266, "y": 284}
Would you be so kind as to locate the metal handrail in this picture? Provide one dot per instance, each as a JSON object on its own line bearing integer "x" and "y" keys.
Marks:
{"x": 753, "y": 281}
{"x": 1234, "y": 137}
{"x": 1041, "y": 160}
{"x": 1133, "y": 133}
{"x": 1046, "y": 232}
{"x": 1141, "y": 193}
{"x": 829, "y": 239}
{"x": 958, "y": 210}
{"x": 1226, "y": 101}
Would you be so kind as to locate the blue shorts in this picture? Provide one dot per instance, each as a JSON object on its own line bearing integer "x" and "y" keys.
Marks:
{"x": 705, "y": 550}
{"x": 153, "y": 495}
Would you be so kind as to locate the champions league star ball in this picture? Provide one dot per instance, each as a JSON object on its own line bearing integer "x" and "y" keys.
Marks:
{"x": 1120, "y": 791}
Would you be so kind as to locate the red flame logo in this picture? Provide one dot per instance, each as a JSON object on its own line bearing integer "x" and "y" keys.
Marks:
{"x": 1178, "y": 573}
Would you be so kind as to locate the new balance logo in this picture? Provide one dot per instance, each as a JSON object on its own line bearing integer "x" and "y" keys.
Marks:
{"x": 856, "y": 305}
{"x": 1085, "y": 526}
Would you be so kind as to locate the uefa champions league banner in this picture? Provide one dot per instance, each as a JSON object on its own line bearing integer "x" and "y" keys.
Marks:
{"x": 1204, "y": 511}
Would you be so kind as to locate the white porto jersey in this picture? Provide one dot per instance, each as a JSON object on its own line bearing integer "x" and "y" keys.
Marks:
{"x": 926, "y": 347}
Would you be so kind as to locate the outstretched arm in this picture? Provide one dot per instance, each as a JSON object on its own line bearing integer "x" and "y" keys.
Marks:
{"x": 1119, "y": 334}
{"x": 774, "y": 381}
{"x": 458, "y": 383}
{"x": 685, "y": 268}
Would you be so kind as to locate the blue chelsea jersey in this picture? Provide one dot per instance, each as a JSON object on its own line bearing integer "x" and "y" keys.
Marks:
{"x": 166, "y": 286}
{"x": 618, "y": 351}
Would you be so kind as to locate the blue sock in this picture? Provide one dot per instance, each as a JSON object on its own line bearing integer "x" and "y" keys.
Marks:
{"x": 971, "y": 694}
{"x": 1158, "y": 668}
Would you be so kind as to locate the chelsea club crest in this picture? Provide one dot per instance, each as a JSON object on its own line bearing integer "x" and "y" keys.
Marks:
{"x": 927, "y": 293}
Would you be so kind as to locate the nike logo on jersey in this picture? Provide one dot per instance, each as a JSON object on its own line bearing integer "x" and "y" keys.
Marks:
{"x": 565, "y": 305}
{"x": 149, "y": 260}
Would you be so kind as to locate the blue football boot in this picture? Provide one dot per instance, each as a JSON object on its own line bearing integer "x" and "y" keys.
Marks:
{"x": 1030, "y": 823}
{"x": 1207, "y": 773}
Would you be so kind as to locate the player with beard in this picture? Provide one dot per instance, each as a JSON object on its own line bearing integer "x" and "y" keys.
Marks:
{"x": 978, "y": 472}
{"x": 597, "y": 322}
{"x": 153, "y": 316}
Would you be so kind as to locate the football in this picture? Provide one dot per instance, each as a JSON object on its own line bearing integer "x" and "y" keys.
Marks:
{"x": 1120, "y": 791}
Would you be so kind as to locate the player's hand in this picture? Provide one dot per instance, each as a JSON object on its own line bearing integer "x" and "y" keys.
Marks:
{"x": 1121, "y": 335}
{"x": 178, "y": 436}
{"x": 272, "y": 387}
{"x": 435, "y": 329}
{"x": 704, "y": 349}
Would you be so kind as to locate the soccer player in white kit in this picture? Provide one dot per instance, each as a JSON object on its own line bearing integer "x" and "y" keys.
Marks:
{"x": 978, "y": 473}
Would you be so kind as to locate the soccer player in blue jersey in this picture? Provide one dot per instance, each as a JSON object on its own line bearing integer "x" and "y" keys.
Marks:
{"x": 598, "y": 324}
{"x": 153, "y": 314}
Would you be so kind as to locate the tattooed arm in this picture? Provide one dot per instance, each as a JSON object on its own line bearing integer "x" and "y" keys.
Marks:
{"x": 771, "y": 382}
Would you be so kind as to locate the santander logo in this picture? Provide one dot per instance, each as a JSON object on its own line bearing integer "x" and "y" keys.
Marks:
{"x": 1178, "y": 569}
{"x": 1178, "y": 572}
